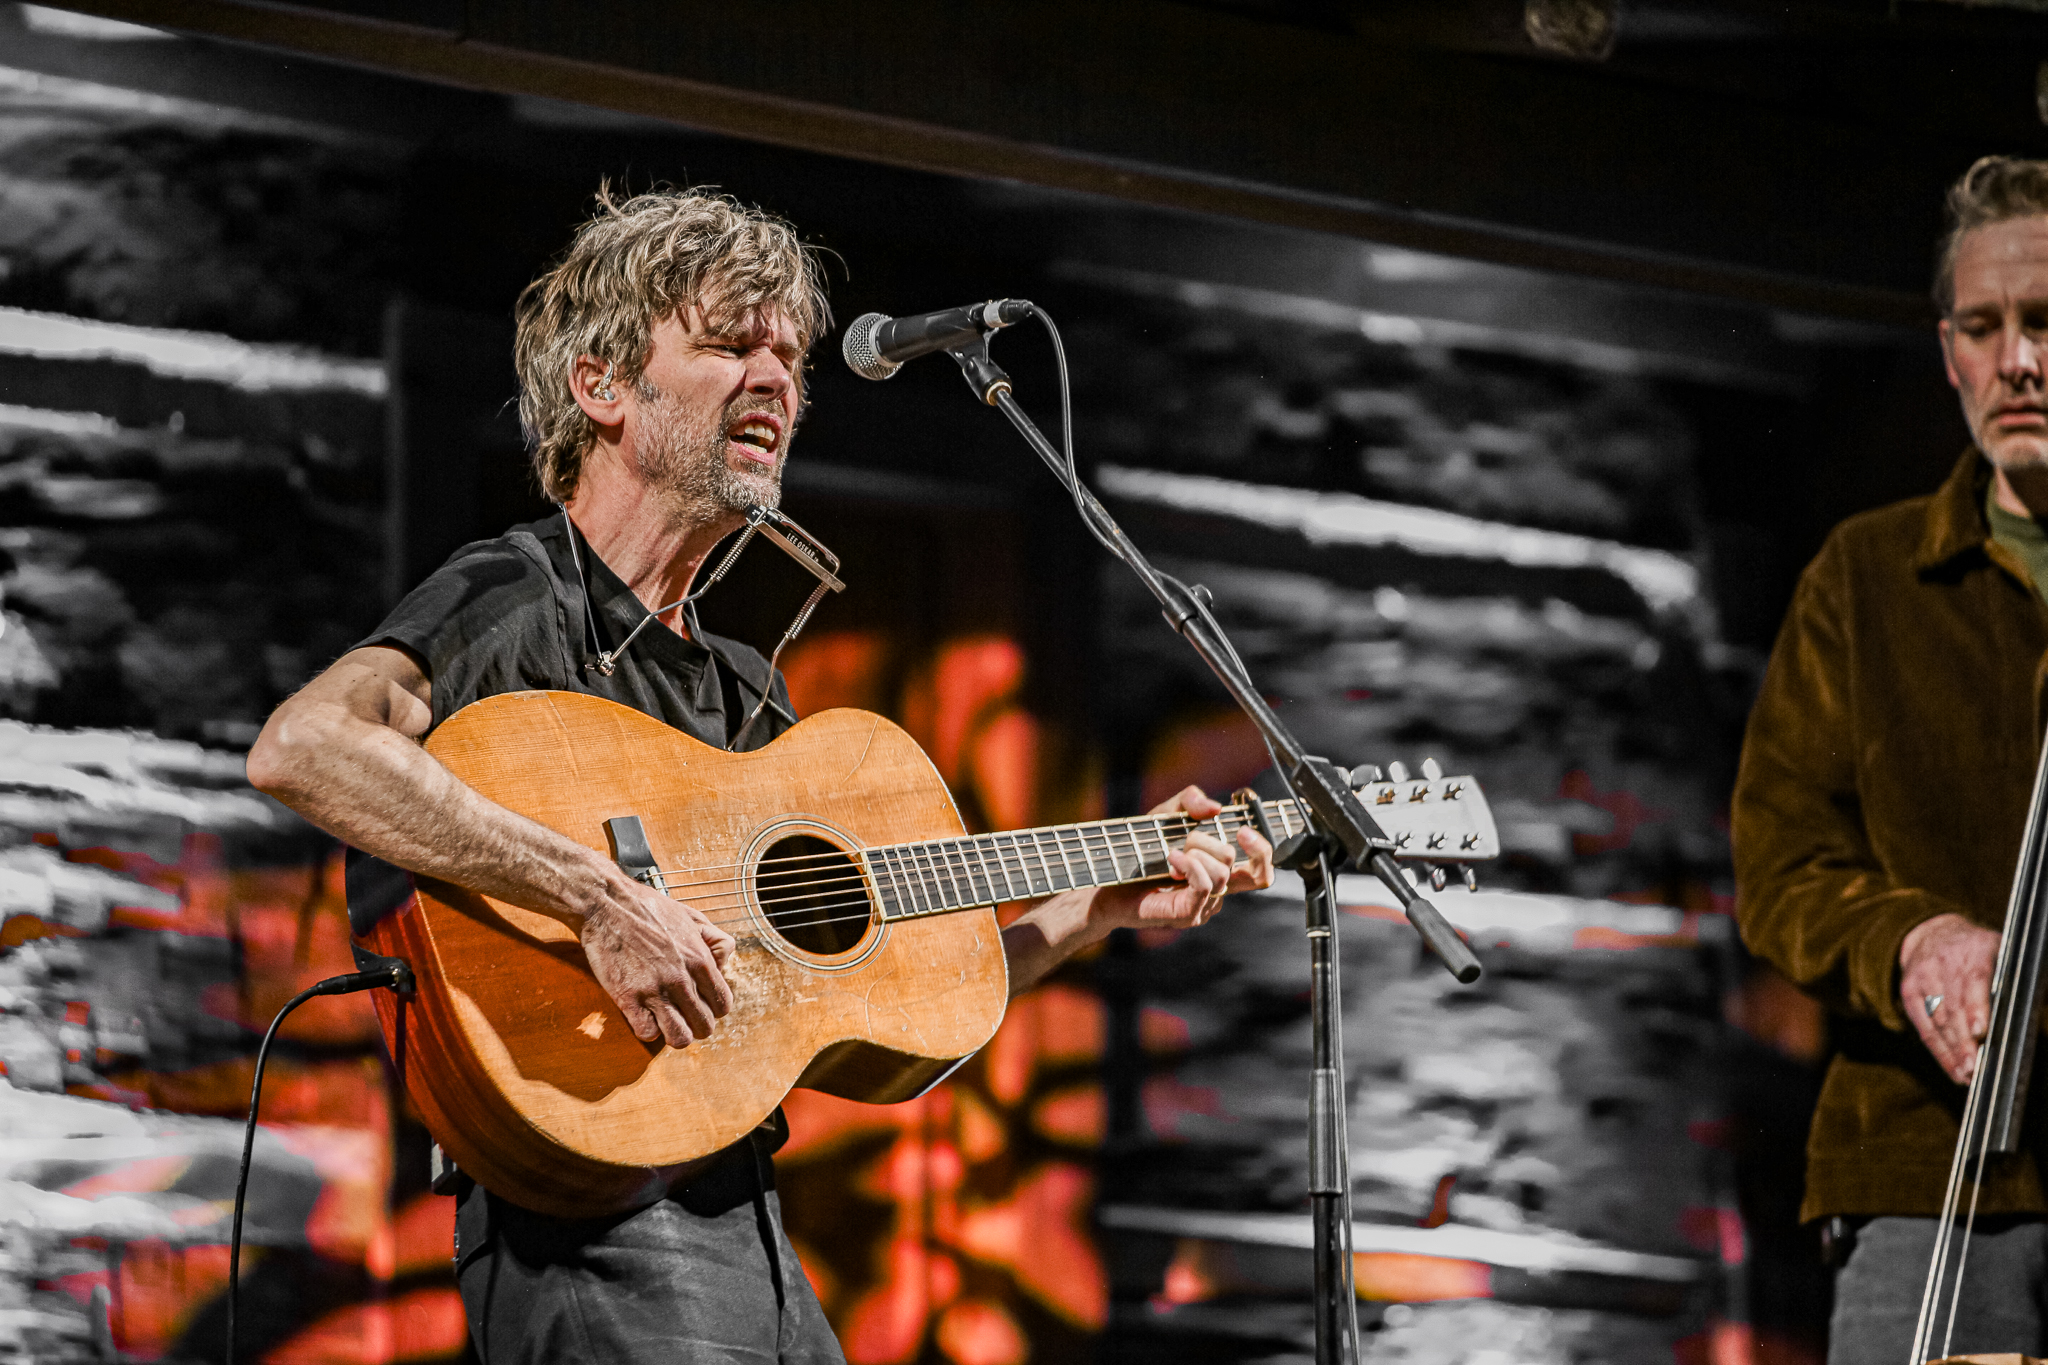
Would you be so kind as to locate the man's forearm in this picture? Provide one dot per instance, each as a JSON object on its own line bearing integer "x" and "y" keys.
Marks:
{"x": 377, "y": 790}
{"x": 1046, "y": 935}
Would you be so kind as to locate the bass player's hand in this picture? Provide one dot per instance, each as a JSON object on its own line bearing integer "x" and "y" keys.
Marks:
{"x": 1949, "y": 960}
{"x": 661, "y": 961}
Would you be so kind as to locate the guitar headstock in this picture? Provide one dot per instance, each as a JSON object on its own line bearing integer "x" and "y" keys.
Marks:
{"x": 1430, "y": 817}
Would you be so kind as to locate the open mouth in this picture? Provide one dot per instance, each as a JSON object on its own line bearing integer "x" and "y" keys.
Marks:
{"x": 760, "y": 436}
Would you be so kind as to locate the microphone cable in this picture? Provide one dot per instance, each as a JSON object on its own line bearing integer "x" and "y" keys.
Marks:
{"x": 393, "y": 974}
{"x": 1089, "y": 507}
{"x": 1197, "y": 597}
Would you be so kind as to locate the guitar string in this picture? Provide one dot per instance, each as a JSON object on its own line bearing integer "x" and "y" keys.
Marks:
{"x": 1017, "y": 855}
{"x": 938, "y": 870}
{"x": 936, "y": 860}
{"x": 779, "y": 866}
{"x": 937, "y": 863}
{"x": 940, "y": 876}
{"x": 944, "y": 876}
{"x": 995, "y": 896}
{"x": 867, "y": 904}
{"x": 923, "y": 877}
{"x": 1176, "y": 825}
{"x": 1104, "y": 825}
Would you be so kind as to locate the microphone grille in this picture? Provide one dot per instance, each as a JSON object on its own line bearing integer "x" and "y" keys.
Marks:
{"x": 858, "y": 346}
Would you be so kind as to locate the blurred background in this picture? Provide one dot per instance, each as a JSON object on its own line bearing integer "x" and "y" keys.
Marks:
{"x": 1496, "y": 365}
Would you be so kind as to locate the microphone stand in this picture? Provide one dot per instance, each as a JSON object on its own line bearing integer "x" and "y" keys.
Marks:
{"x": 1340, "y": 828}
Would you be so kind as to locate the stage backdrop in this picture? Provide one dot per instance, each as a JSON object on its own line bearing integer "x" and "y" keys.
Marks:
{"x": 234, "y": 425}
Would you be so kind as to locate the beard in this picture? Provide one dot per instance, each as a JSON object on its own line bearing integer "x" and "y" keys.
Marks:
{"x": 688, "y": 460}
{"x": 2014, "y": 452}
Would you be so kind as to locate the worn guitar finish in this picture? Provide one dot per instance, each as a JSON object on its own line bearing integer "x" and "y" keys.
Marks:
{"x": 867, "y": 960}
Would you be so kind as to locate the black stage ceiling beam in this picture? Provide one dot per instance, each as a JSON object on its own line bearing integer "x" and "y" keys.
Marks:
{"x": 1546, "y": 164}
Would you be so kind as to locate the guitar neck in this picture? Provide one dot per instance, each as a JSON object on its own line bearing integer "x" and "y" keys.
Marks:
{"x": 939, "y": 876}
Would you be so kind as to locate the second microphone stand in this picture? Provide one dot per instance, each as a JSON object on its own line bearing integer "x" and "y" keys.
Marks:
{"x": 1340, "y": 829}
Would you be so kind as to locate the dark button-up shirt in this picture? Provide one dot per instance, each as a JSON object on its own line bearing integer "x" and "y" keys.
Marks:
{"x": 508, "y": 614}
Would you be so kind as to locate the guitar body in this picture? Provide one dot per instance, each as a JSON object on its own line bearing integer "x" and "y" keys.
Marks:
{"x": 523, "y": 1068}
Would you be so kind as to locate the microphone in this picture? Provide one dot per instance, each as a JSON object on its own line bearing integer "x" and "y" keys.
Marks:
{"x": 876, "y": 345}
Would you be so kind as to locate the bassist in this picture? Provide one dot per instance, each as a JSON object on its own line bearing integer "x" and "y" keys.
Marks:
{"x": 1883, "y": 792}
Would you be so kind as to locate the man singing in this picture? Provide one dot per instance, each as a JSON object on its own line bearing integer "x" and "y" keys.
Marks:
{"x": 661, "y": 377}
{"x": 1884, "y": 786}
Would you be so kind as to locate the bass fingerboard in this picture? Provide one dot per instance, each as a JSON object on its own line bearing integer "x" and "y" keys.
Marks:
{"x": 939, "y": 876}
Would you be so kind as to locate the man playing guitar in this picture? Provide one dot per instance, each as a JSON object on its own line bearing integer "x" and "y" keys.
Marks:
{"x": 661, "y": 373}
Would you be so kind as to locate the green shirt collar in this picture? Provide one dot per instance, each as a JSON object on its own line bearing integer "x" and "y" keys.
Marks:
{"x": 2023, "y": 536}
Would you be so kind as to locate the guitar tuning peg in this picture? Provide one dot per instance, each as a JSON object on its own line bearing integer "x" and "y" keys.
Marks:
{"x": 1397, "y": 771}
{"x": 1471, "y": 874}
{"x": 1431, "y": 769}
{"x": 1365, "y": 774}
{"x": 1437, "y": 877}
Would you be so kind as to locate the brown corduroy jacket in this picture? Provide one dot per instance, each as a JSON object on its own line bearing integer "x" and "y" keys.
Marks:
{"x": 1885, "y": 780}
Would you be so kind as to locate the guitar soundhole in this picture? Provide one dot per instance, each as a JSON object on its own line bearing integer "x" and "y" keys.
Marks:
{"x": 813, "y": 894}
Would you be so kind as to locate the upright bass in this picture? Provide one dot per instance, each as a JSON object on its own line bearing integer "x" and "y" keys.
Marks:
{"x": 1997, "y": 1096}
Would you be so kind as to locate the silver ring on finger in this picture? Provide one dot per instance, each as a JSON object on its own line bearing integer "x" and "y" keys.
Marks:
{"x": 1933, "y": 1003}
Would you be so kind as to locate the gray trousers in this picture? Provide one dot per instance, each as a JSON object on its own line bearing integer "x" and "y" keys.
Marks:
{"x": 1877, "y": 1294}
{"x": 706, "y": 1275}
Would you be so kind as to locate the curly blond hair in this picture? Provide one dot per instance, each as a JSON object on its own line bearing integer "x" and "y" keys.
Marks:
{"x": 1996, "y": 189}
{"x": 636, "y": 261}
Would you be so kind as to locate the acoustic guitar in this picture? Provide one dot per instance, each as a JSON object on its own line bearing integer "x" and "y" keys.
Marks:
{"x": 867, "y": 961}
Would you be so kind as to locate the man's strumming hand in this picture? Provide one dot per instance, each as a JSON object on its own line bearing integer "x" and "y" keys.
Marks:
{"x": 1950, "y": 959}
{"x": 661, "y": 961}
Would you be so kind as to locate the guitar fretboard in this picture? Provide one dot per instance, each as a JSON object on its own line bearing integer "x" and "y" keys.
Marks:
{"x": 943, "y": 875}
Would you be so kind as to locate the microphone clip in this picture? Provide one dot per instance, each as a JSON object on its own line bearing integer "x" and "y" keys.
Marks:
{"x": 983, "y": 375}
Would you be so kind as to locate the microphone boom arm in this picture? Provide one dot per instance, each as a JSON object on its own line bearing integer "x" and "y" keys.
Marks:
{"x": 1337, "y": 821}
{"x": 1317, "y": 782}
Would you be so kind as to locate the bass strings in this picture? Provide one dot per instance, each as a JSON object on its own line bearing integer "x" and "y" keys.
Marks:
{"x": 1997, "y": 1060}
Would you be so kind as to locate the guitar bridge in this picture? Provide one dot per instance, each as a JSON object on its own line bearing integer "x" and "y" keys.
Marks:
{"x": 630, "y": 851}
